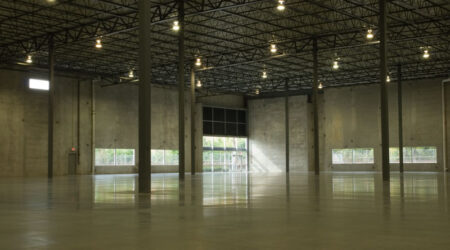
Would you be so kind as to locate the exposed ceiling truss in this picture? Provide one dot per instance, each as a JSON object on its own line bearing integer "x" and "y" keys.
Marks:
{"x": 233, "y": 38}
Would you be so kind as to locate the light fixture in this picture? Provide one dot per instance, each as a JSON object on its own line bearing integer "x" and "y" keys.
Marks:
{"x": 281, "y": 6}
{"x": 425, "y": 55}
{"x": 388, "y": 79}
{"x": 320, "y": 85}
{"x": 199, "y": 84}
{"x": 264, "y": 74}
{"x": 51, "y": 1}
{"x": 335, "y": 65}
{"x": 29, "y": 59}
{"x": 176, "y": 26}
{"x": 131, "y": 74}
{"x": 198, "y": 62}
{"x": 273, "y": 48}
{"x": 98, "y": 43}
{"x": 369, "y": 34}
{"x": 257, "y": 91}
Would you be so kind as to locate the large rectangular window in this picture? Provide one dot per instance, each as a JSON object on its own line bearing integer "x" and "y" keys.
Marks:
{"x": 224, "y": 154}
{"x": 38, "y": 84}
{"x": 164, "y": 157}
{"x": 425, "y": 154}
{"x": 353, "y": 156}
{"x": 224, "y": 122}
{"x": 114, "y": 157}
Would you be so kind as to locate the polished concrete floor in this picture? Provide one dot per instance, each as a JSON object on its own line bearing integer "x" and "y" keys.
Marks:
{"x": 227, "y": 211}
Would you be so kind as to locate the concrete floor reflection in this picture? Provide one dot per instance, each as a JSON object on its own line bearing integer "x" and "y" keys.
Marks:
{"x": 227, "y": 211}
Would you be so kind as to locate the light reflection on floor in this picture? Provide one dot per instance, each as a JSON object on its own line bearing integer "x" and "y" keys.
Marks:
{"x": 227, "y": 211}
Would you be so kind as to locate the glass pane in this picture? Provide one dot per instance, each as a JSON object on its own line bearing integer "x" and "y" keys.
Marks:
{"x": 218, "y": 142}
{"x": 171, "y": 157}
{"x": 230, "y": 143}
{"x": 407, "y": 155}
{"x": 228, "y": 157}
{"x": 104, "y": 156}
{"x": 125, "y": 157}
{"x": 342, "y": 156}
{"x": 241, "y": 143}
{"x": 362, "y": 155}
{"x": 394, "y": 155}
{"x": 207, "y": 161}
{"x": 218, "y": 157}
{"x": 207, "y": 142}
{"x": 424, "y": 155}
{"x": 157, "y": 157}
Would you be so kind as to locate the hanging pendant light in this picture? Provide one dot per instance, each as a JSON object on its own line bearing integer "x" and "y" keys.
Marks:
{"x": 29, "y": 59}
{"x": 98, "y": 43}
{"x": 281, "y": 6}
{"x": 176, "y": 26}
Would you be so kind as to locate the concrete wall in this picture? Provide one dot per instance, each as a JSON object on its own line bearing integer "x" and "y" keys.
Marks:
{"x": 24, "y": 117}
{"x": 349, "y": 117}
{"x": 267, "y": 134}
{"x": 116, "y": 122}
{"x": 111, "y": 111}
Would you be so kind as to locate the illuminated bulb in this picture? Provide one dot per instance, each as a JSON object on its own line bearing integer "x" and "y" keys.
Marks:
{"x": 273, "y": 48}
{"x": 257, "y": 91}
{"x": 335, "y": 65}
{"x": 176, "y": 26}
{"x": 98, "y": 43}
{"x": 280, "y": 6}
{"x": 264, "y": 74}
{"x": 426, "y": 55}
{"x": 369, "y": 34}
{"x": 198, "y": 62}
{"x": 388, "y": 79}
{"x": 320, "y": 86}
{"x": 199, "y": 84}
{"x": 51, "y": 1}
{"x": 29, "y": 59}
{"x": 131, "y": 74}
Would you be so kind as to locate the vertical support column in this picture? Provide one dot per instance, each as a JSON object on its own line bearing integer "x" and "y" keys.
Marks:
{"x": 315, "y": 107}
{"x": 192, "y": 120}
{"x": 400, "y": 116}
{"x": 384, "y": 91}
{"x": 286, "y": 123}
{"x": 144, "y": 97}
{"x": 51, "y": 100}
{"x": 181, "y": 89}
{"x": 92, "y": 127}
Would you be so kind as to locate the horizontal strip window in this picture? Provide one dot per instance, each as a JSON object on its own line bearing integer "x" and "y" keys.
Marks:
{"x": 352, "y": 156}
{"x": 165, "y": 157}
{"x": 424, "y": 155}
{"x": 114, "y": 157}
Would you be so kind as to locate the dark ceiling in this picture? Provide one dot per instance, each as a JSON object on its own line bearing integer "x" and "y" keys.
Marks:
{"x": 233, "y": 38}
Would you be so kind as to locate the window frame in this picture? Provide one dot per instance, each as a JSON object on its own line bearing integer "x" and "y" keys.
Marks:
{"x": 353, "y": 150}
{"x": 115, "y": 164}
{"x": 223, "y": 151}
{"x": 410, "y": 157}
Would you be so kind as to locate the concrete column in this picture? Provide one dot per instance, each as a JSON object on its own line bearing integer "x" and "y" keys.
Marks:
{"x": 144, "y": 97}
{"x": 286, "y": 122}
{"x": 384, "y": 91}
{"x": 193, "y": 120}
{"x": 51, "y": 99}
{"x": 181, "y": 89}
{"x": 315, "y": 107}
{"x": 400, "y": 116}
